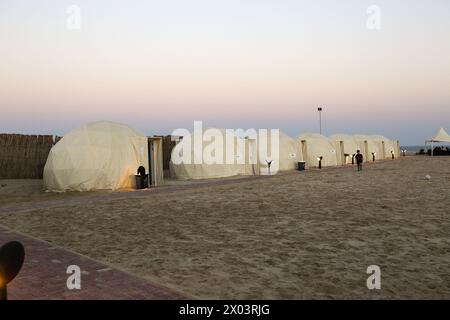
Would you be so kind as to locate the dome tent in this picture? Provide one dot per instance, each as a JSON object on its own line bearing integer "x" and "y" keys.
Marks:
{"x": 313, "y": 146}
{"x": 194, "y": 166}
{"x": 388, "y": 146}
{"x": 370, "y": 145}
{"x": 99, "y": 155}
{"x": 350, "y": 145}
{"x": 287, "y": 157}
{"x": 244, "y": 157}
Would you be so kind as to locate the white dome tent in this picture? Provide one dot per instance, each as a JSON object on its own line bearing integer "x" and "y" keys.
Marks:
{"x": 388, "y": 146}
{"x": 313, "y": 146}
{"x": 194, "y": 166}
{"x": 350, "y": 145}
{"x": 369, "y": 147}
{"x": 289, "y": 153}
{"x": 99, "y": 155}
{"x": 287, "y": 157}
{"x": 245, "y": 157}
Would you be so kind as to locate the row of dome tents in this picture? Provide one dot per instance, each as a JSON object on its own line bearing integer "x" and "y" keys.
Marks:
{"x": 106, "y": 155}
{"x": 309, "y": 147}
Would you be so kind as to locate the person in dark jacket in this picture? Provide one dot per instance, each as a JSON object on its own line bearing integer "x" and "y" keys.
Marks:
{"x": 359, "y": 159}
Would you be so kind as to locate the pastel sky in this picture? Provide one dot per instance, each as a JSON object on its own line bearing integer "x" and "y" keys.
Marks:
{"x": 160, "y": 65}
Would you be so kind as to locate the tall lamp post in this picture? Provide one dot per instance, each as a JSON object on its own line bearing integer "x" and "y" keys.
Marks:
{"x": 320, "y": 119}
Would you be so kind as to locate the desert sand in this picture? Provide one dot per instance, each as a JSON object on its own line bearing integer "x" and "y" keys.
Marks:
{"x": 299, "y": 235}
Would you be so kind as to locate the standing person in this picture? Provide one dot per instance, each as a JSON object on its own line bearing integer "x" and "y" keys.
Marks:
{"x": 359, "y": 159}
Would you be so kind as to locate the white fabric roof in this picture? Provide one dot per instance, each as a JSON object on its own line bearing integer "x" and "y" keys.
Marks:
{"x": 246, "y": 157}
{"x": 318, "y": 145}
{"x": 441, "y": 136}
{"x": 99, "y": 155}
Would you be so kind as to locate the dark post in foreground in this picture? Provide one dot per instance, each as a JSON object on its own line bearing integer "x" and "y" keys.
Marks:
{"x": 12, "y": 256}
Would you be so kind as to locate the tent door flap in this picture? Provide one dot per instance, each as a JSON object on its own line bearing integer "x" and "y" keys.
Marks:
{"x": 151, "y": 176}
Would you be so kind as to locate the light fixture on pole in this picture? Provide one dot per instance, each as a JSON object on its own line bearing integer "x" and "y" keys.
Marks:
{"x": 320, "y": 161}
{"x": 373, "y": 156}
{"x": 320, "y": 119}
{"x": 393, "y": 155}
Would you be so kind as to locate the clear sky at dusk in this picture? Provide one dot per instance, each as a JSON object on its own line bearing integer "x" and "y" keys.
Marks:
{"x": 160, "y": 65}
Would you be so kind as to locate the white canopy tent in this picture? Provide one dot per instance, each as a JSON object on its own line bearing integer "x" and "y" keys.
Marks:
{"x": 99, "y": 155}
{"x": 440, "y": 136}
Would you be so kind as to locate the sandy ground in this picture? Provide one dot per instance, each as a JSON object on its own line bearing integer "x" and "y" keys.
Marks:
{"x": 28, "y": 191}
{"x": 301, "y": 235}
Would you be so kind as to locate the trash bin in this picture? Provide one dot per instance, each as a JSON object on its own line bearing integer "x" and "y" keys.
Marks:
{"x": 141, "y": 181}
{"x": 301, "y": 165}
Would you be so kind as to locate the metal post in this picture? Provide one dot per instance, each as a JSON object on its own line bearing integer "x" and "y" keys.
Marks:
{"x": 320, "y": 119}
{"x": 3, "y": 293}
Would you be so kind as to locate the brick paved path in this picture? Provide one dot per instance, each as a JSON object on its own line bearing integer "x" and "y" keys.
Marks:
{"x": 43, "y": 276}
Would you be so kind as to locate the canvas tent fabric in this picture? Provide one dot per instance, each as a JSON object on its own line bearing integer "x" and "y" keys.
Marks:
{"x": 246, "y": 158}
{"x": 313, "y": 146}
{"x": 289, "y": 154}
{"x": 219, "y": 164}
{"x": 100, "y": 155}
{"x": 156, "y": 160}
{"x": 440, "y": 136}
{"x": 307, "y": 147}
{"x": 369, "y": 146}
{"x": 287, "y": 157}
{"x": 387, "y": 146}
{"x": 350, "y": 144}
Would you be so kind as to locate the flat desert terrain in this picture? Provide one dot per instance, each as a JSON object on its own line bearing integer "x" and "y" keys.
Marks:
{"x": 298, "y": 235}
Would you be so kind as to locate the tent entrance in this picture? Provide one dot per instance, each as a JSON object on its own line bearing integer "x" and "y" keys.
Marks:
{"x": 150, "y": 163}
{"x": 305, "y": 152}
{"x": 341, "y": 158}
{"x": 155, "y": 161}
{"x": 366, "y": 151}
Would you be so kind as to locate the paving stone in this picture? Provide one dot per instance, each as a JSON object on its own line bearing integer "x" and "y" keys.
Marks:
{"x": 43, "y": 276}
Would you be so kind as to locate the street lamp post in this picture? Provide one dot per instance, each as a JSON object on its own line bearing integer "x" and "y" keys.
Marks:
{"x": 320, "y": 119}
